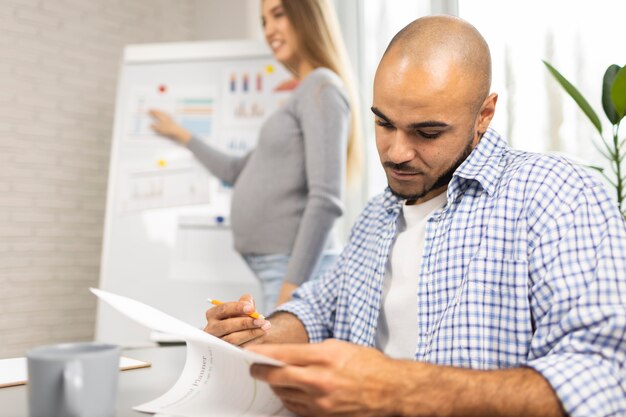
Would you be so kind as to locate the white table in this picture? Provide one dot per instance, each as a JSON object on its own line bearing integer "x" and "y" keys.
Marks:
{"x": 136, "y": 386}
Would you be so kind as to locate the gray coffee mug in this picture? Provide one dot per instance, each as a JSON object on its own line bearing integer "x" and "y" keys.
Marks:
{"x": 73, "y": 380}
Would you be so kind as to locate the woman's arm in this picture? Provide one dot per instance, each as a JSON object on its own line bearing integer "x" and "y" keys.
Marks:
{"x": 223, "y": 165}
{"x": 324, "y": 118}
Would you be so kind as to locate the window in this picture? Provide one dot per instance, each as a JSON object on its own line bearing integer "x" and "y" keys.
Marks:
{"x": 580, "y": 39}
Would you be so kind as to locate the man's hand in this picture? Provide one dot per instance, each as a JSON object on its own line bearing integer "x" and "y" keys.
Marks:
{"x": 230, "y": 322}
{"x": 166, "y": 126}
{"x": 332, "y": 378}
{"x": 336, "y": 378}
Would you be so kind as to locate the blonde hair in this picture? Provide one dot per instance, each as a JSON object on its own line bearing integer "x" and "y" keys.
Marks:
{"x": 320, "y": 43}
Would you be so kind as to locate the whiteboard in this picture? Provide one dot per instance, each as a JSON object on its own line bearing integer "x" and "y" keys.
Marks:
{"x": 167, "y": 240}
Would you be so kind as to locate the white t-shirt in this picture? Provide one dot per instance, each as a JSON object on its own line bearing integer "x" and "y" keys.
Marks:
{"x": 396, "y": 334}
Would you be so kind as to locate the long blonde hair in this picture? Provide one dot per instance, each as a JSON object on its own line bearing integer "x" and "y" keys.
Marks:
{"x": 320, "y": 43}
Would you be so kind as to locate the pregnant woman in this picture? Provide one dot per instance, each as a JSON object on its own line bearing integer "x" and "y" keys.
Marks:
{"x": 288, "y": 191}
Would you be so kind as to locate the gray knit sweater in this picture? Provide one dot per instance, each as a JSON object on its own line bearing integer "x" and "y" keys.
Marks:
{"x": 288, "y": 190}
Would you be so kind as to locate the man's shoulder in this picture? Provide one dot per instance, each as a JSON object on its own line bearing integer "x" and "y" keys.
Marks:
{"x": 547, "y": 179}
{"x": 544, "y": 163}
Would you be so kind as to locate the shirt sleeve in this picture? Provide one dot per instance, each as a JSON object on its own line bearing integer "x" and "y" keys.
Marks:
{"x": 223, "y": 165}
{"x": 323, "y": 305}
{"x": 314, "y": 303}
{"x": 305, "y": 311}
{"x": 324, "y": 116}
{"x": 578, "y": 298}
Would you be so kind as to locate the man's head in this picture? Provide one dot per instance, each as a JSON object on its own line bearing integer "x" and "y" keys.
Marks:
{"x": 431, "y": 103}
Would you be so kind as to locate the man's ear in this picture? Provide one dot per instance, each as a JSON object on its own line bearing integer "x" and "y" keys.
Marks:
{"x": 487, "y": 111}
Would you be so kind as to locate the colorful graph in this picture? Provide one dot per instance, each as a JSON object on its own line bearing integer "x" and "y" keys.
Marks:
{"x": 249, "y": 94}
{"x": 191, "y": 109}
{"x": 195, "y": 115}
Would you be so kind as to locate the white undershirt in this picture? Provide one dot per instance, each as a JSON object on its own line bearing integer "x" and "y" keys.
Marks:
{"x": 396, "y": 334}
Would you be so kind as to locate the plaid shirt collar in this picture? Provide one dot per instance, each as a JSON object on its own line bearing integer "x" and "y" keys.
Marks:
{"x": 482, "y": 166}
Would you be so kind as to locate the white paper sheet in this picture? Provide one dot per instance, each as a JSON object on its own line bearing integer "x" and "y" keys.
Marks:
{"x": 216, "y": 378}
{"x": 13, "y": 372}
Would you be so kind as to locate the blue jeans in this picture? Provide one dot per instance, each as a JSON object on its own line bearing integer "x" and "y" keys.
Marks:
{"x": 271, "y": 270}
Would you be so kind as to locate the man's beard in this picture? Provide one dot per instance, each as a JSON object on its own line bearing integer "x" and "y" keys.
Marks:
{"x": 440, "y": 182}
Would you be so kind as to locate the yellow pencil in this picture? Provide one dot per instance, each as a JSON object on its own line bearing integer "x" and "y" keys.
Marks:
{"x": 254, "y": 314}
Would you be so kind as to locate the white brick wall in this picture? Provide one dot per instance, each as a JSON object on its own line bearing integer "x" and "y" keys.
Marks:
{"x": 59, "y": 61}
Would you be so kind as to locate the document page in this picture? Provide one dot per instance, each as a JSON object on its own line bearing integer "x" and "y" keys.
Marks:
{"x": 216, "y": 378}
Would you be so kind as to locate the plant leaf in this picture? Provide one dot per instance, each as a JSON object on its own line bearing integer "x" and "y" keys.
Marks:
{"x": 618, "y": 93}
{"x": 578, "y": 98}
{"x": 601, "y": 170}
{"x": 607, "y": 101}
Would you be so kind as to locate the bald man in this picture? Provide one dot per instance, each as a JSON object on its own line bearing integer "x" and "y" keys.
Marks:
{"x": 484, "y": 281}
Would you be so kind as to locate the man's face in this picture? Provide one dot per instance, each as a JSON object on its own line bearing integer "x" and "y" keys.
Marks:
{"x": 427, "y": 124}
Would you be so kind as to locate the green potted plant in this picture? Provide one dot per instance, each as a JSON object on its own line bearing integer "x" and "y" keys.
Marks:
{"x": 614, "y": 104}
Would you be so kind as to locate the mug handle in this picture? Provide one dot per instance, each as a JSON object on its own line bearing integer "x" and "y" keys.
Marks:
{"x": 73, "y": 387}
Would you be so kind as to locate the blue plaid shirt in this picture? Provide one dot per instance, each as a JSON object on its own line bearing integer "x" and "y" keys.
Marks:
{"x": 524, "y": 266}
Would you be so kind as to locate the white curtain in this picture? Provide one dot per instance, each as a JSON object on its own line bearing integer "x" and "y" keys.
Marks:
{"x": 580, "y": 38}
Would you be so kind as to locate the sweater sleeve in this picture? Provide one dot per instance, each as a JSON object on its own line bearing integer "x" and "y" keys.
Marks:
{"x": 324, "y": 116}
{"x": 224, "y": 166}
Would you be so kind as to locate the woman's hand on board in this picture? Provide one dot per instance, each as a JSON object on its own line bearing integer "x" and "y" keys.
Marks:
{"x": 164, "y": 125}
